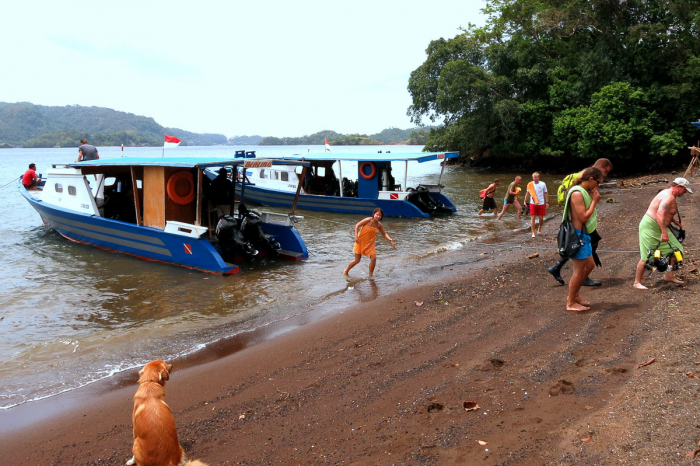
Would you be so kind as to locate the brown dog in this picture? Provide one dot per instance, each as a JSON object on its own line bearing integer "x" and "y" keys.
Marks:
{"x": 155, "y": 436}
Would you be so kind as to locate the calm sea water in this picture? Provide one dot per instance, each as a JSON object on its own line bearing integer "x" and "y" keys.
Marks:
{"x": 71, "y": 314}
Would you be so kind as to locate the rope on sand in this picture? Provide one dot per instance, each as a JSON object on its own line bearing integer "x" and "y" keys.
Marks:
{"x": 481, "y": 243}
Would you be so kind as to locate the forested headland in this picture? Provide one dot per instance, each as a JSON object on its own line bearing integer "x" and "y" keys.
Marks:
{"x": 561, "y": 83}
{"x": 27, "y": 125}
{"x": 24, "y": 124}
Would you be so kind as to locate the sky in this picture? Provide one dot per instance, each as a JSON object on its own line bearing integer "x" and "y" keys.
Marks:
{"x": 270, "y": 68}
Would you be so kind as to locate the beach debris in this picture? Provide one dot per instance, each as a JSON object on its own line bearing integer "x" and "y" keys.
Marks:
{"x": 692, "y": 454}
{"x": 471, "y": 406}
{"x": 419, "y": 303}
{"x": 691, "y": 375}
{"x": 587, "y": 440}
{"x": 482, "y": 442}
{"x": 610, "y": 200}
{"x": 646, "y": 363}
{"x": 532, "y": 256}
{"x": 241, "y": 417}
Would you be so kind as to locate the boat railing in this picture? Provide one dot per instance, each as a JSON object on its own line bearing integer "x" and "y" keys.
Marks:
{"x": 433, "y": 188}
{"x": 276, "y": 218}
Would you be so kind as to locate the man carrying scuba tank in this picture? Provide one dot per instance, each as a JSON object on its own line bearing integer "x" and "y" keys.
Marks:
{"x": 654, "y": 234}
{"x": 605, "y": 166}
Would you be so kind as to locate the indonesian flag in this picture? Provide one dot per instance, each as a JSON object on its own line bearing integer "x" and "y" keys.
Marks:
{"x": 328, "y": 146}
{"x": 171, "y": 141}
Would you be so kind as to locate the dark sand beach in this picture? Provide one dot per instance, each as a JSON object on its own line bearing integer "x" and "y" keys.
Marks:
{"x": 385, "y": 382}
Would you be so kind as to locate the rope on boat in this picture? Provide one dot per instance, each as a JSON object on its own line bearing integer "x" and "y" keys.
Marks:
{"x": 8, "y": 184}
{"x": 480, "y": 243}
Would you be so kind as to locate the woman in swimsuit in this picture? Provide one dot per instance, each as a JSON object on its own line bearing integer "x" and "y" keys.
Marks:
{"x": 365, "y": 239}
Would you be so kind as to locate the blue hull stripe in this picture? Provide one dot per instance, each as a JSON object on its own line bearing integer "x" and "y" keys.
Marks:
{"x": 109, "y": 231}
{"x": 85, "y": 232}
{"x": 393, "y": 207}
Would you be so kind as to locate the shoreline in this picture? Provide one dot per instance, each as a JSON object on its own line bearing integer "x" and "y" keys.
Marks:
{"x": 384, "y": 381}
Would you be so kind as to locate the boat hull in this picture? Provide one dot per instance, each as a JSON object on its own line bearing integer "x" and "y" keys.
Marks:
{"x": 351, "y": 205}
{"x": 142, "y": 242}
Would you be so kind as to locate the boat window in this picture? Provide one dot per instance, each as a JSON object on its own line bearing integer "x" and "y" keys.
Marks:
{"x": 110, "y": 180}
{"x": 58, "y": 187}
{"x": 285, "y": 176}
{"x": 320, "y": 171}
{"x": 72, "y": 191}
{"x": 274, "y": 175}
{"x": 262, "y": 173}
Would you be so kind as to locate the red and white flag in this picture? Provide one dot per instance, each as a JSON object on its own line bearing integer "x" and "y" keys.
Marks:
{"x": 328, "y": 146}
{"x": 171, "y": 141}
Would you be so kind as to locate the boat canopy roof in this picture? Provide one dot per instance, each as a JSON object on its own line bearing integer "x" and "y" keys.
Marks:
{"x": 182, "y": 162}
{"x": 375, "y": 157}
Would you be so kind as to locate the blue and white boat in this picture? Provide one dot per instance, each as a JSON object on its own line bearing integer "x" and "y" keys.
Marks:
{"x": 320, "y": 189}
{"x": 156, "y": 209}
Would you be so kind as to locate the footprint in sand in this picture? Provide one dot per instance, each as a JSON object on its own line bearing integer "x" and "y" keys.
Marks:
{"x": 494, "y": 363}
{"x": 563, "y": 386}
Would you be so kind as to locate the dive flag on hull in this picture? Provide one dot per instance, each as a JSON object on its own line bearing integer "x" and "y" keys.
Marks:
{"x": 171, "y": 141}
{"x": 328, "y": 146}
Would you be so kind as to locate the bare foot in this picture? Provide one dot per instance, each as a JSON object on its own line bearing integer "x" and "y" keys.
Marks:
{"x": 533, "y": 235}
{"x": 345, "y": 272}
{"x": 674, "y": 280}
{"x": 539, "y": 232}
{"x": 577, "y": 307}
{"x": 582, "y": 302}
{"x": 639, "y": 286}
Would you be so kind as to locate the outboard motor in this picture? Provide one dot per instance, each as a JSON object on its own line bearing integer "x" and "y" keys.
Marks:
{"x": 420, "y": 197}
{"x": 414, "y": 197}
{"x": 251, "y": 227}
{"x": 438, "y": 207}
{"x": 232, "y": 242}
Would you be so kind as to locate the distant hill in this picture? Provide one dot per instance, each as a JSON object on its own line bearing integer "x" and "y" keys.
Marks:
{"x": 245, "y": 140}
{"x": 27, "y": 125}
{"x": 388, "y": 136}
{"x": 24, "y": 124}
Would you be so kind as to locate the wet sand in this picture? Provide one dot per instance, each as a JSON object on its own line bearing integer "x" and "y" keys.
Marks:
{"x": 385, "y": 382}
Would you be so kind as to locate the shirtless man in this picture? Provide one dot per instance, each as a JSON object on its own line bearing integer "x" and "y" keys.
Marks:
{"x": 512, "y": 198}
{"x": 489, "y": 201}
{"x": 654, "y": 229}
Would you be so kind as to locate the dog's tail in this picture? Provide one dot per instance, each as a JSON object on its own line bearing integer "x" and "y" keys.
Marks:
{"x": 196, "y": 463}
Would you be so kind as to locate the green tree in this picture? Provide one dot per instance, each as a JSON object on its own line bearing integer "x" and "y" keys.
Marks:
{"x": 536, "y": 82}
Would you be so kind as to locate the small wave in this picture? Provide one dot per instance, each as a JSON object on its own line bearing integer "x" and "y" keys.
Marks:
{"x": 444, "y": 247}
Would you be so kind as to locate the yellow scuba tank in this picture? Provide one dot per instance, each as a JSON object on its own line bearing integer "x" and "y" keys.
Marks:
{"x": 678, "y": 255}
{"x": 657, "y": 254}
